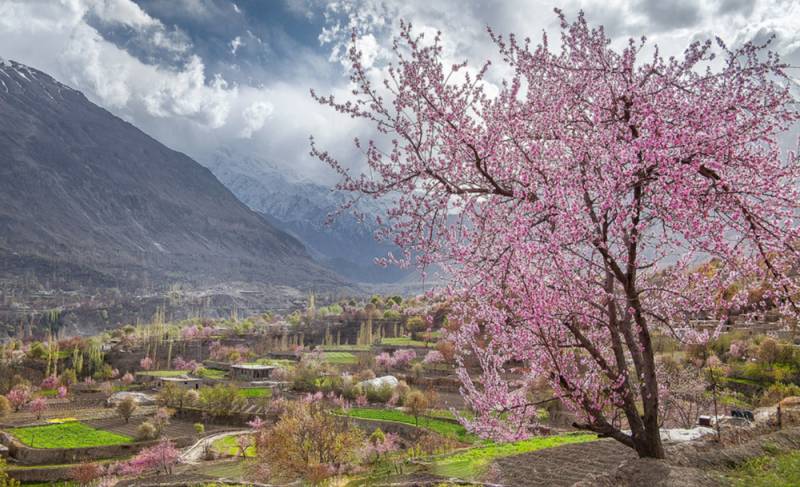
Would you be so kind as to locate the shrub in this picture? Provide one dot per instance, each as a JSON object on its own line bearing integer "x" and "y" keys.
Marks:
{"x": 146, "y": 431}
{"x": 379, "y": 394}
{"x": 221, "y": 399}
{"x": 126, "y": 408}
{"x": 769, "y": 351}
{"x": 308, "y": 442}
{"x": 68, "y": 377}
{"x": 199, "y": 428}
{"x": 5, "y": 406}
{"x": 85, "y": 473}
{"x": 416, "y": 403}
{"x": 776, "y": 392}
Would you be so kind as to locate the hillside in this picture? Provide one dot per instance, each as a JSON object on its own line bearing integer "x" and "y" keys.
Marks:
{"x": 88, "y": 199}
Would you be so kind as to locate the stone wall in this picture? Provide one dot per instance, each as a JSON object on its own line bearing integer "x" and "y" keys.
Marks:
{"x": 26, "y": 455}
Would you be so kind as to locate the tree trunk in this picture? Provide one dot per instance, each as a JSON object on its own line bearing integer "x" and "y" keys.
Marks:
{"x": 650, "y": 445}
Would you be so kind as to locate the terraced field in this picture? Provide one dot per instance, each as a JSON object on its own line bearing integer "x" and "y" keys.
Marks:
{"x": 564, "y": 465}
{"x": 67, "y": 435}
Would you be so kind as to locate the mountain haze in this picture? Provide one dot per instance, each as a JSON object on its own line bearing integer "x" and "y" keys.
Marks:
{"x": 301, "y": 207}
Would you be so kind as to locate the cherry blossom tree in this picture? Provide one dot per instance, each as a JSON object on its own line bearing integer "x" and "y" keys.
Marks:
{"x": 19, "y": 396}
{"x": 570, "y": 203}
{"x": 38, "y": 406}
{"x": 146, "y": 363}
{"x": 160, "y": 457}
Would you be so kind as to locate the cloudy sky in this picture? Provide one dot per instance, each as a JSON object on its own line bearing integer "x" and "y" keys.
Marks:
{"x": 203, "y": 74}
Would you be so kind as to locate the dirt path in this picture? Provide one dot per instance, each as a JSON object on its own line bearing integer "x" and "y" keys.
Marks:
{"x": 194, "y": 453}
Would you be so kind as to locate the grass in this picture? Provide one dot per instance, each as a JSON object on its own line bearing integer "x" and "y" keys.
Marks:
{"x": 255, "y": 392}
{"x": 48, "y": 392}
{"x": 781, "y": 470}
{"x": 340, "y": 358}
{"x": 212, "y": 373}
{"x": 277, "y": 362}
{"x": 405, "y": 342}
{"x": 444, "y": 428}
{"x": 67, "y": 435}
{"x": 469, "y": 464}
{"x": 347, "y": 348}
{"x": 164, "y": 373}
{"x": 227, "y": 446}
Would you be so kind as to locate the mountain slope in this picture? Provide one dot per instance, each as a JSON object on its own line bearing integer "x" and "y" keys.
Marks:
{"x": 81, "y": 188}
{"x": 301, "y": 207}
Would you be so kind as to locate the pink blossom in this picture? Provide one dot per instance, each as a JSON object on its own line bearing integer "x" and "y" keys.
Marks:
{"x": 160, "y": 457}
{"x": 38, "y": 406}
{"x": 361, "y": 400}
{"x": 62, "y": 392}
{"x": 256, "y": 423}
{"x": 127, "y": 379}
{"x": 180, "y": 364}
{"x": 433, "y": 357}
{"x": 19, "y": 396}
{"x": 49, "y": 382}
{"x": 569, "y": 207}
{"x": 146, "y": 363}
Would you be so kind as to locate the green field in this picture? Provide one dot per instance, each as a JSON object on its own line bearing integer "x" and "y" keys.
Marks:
{"x": 212, "y": 373}
{"x": 67, "y": 435}
{"x": 227, "y": 446}
{"x": 163, "y": 373}
{"x": 255, "y": 392}
{"x": 346, "y": 348}
{"x": 469, "y": 464}
{"x": 782, "y": 470}
{"x": 340, "y": 358}
{"x": 405, "y": 342}
{"x": 444, "y": 428}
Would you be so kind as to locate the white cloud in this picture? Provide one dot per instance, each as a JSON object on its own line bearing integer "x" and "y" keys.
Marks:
{"x": 236, "y": 43}
{"x": 193, "y": 110}
{"x": 123, "y": 12}
{"x": 255, "y": 115}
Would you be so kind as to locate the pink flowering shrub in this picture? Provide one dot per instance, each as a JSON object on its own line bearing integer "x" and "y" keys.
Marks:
{"x": 127, "y": 379}
{"x": 146, "y": 363}
{"x": 385, "y": 361}
{"x": 62, "y": 392}
{"x": 361, "y": 400}
{"x": 158, "y": 458}
{"x": 49, "y": 382}
{"x": 402, "y": 358}
{"x": 180, "y": 364}
{"x": 19, "y": 396}
{"x": 38, "y": 406}
{"x": 433, "y": 357}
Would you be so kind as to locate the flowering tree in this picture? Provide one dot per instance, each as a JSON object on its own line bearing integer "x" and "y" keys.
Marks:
{"x": 180, "y": 364}
{"x": 569, "y": 204}
{"x": 38, "y": 406}
{"x": 146, "y": 363}
{"x": 19, "y": 396}
{"x": 384, "y": 360}
{"x": 160, "y": 457}
{"x": 433, "y": 357}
